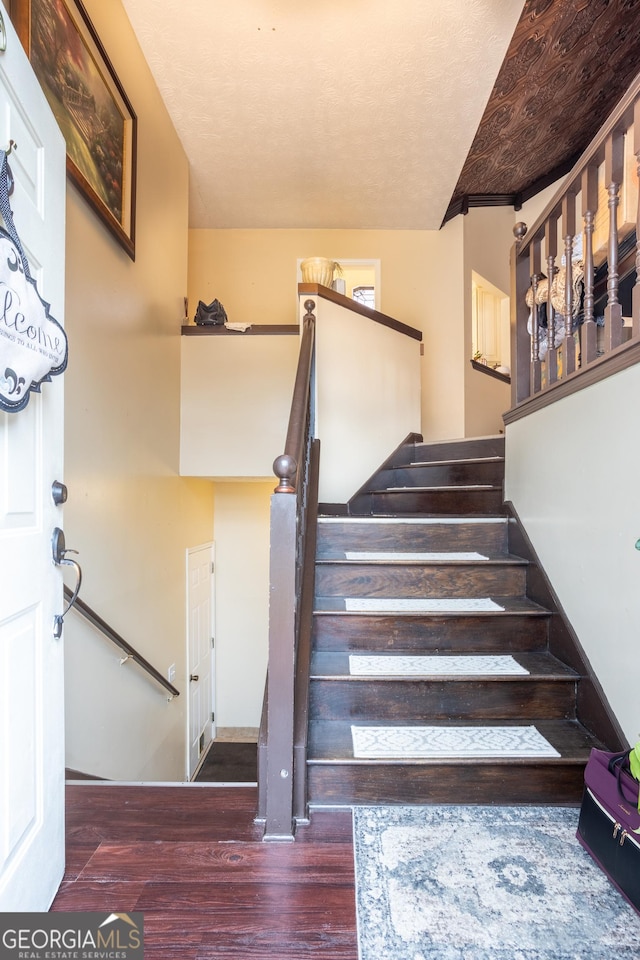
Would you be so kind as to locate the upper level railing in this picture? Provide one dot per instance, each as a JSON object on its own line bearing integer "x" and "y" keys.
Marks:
{"x": 576, "y": 308}
{"x": 130, "y": 652}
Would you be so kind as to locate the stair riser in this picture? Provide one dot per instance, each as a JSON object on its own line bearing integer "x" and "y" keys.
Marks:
{"x": 420, "y": 580}
{"x": 425, "y": 701}
{"x": 435, "y": 475}
{"x": 469, "y": 503}
{"x": 376, "y": 783}
{"x": 375, "y": 633}
{"x": 458, "y": 449}
{"x": 486, "y": 538}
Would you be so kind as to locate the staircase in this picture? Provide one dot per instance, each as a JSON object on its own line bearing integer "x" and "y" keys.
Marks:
{"x": 444, "y": 500}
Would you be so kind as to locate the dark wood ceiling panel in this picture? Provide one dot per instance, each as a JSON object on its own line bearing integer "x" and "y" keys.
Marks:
{"x": 568, "y": 64}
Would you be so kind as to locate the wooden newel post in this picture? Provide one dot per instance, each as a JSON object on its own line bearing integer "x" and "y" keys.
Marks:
{"x": 520, "y": 339}
{"x": 285, "y": 469}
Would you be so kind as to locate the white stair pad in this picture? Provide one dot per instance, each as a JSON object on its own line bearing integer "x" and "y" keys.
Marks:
{"x": 433, "y": 666}
{"x": 420, "y": 604}
{"x": 363, "y": 555}
{"x": 439, "y": 742}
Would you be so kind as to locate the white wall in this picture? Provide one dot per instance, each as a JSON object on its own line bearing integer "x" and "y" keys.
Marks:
{"x": 488, "y": 236}
{"x": 254, "y": 274}
{"x": 367, "y": 396}
{"x": 532, "y": 209}
{"x": 235, "y": 400}
{"x": 573, "y": 474}
{"x": 129, "y": 513}
{"x": 242, "y": 600}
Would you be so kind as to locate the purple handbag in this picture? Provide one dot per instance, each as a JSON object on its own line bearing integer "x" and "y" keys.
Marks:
{"x": 609, "y": 824}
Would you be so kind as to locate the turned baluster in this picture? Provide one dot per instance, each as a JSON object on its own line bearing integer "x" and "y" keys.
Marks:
{"x": 635, "y": 302}
{"x": 589, "y": 332}
{"x": 613, "y": 172}
{"x": 568, "y": 232}
{"x": 551, "y": 247}
{"x": 536, "y": 366}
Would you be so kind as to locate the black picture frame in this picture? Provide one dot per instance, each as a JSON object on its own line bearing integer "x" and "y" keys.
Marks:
{"x": 90, "y": 104}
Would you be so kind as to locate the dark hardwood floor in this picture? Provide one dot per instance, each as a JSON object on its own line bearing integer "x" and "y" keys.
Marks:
{"x": 193, "y": 861}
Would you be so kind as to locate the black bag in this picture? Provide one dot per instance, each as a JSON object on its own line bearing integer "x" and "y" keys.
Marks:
{"x": 210, "y": 315}
{"x": 609, "y": 824}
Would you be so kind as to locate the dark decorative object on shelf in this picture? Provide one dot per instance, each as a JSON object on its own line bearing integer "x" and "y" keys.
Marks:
{"x": 212, "y": 314}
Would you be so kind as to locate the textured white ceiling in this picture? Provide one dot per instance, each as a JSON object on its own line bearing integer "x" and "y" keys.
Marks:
{"x": 336, "y": 113}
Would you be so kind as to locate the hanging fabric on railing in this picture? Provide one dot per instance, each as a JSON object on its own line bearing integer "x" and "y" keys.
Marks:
{"x": 33, "y": 345}
{"x": 558, "y": 302}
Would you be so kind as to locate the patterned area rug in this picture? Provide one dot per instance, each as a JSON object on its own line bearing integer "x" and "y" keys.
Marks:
{"x": 429, "y": 742}
{"x": 420, "y": 605}
{"x": 361, "y": 665}
{"x": 484, "y": 883}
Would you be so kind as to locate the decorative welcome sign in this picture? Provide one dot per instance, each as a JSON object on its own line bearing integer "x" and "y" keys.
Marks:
{"x": 33, "y": 345}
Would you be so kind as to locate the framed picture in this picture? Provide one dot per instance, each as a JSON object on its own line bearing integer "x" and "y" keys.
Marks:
{"x": 90, "y": 105}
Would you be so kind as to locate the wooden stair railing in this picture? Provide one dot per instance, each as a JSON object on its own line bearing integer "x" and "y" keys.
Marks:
{"x": 282, "y": 742}
{"x": 84, "y": 610}
{"x": 575, "y": 272}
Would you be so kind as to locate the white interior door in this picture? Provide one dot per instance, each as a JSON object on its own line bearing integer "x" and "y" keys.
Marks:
{"x": 200, "y": 652}
{"x": 31, "y": 452}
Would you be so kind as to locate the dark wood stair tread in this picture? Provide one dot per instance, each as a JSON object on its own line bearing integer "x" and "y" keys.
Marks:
{"x": 447, "y": 463}
{"x": 332, "y": 665}
{"x": 454, "y": 449}
{"x": 401, "y": 560}
{"x": 445, "y": 488}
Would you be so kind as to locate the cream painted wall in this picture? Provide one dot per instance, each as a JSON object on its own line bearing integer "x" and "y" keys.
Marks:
{"x": 235, "y": 400}
{"x": 253, "y": 273}
{"x": 129, "y": 513}
{"x": 367, "y": 396}
{"x": 488, "y": 236}
{"x": 573, "y": 473}
{"x": 242, "y": 600}
{"x": 532, "y": 209}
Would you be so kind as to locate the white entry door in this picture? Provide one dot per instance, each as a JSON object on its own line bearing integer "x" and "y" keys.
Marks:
{"x": 31, "y": 459}
{"x": 200, "y": 655}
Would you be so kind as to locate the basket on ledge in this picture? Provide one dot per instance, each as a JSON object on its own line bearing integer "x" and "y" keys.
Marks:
{"x": 318, "y": 270}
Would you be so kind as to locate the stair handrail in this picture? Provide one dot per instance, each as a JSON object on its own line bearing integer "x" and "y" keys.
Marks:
{"x": 107, "y": 630}
{"x": 286, "y": 465}
{"x": 282, "y": 744}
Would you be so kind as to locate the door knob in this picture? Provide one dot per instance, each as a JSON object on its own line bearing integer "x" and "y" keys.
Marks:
{"x": 194, "y": 677}
{"x": 58, "y": 493}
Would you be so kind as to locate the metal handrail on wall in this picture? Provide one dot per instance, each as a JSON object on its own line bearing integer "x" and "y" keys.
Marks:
{"x": 132, "y": 654}
{"x": 282, "y": 748}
